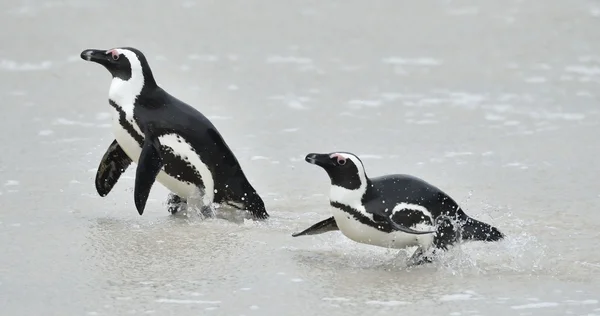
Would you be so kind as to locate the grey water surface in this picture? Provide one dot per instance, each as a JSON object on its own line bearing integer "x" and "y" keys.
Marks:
{"x": 496, "y": 102}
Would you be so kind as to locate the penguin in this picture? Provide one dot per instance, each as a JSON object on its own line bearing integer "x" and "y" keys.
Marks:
{"x": 393, "y": 211}
{"x": 170, "y": 141}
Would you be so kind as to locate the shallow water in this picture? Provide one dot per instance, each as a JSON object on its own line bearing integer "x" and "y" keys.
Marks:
{"x": 495, "y": 102}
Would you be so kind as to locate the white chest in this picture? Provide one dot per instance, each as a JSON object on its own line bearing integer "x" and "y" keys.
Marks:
{"x": 365, "y": 234}
{"x": 126, "y": 140}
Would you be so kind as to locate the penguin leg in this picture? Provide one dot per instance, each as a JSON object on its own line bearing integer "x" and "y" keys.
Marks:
{"x": 176, "y": 204}
{"x": 421, "y": 256}
{"x": 447, "y": 234}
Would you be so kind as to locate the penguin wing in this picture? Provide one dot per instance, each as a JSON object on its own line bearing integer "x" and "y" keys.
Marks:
{"x": 381, "y": 214}
{"x": 148, "y": 167}
{"x": 114, "y": 162}
{"x": 319, "y": 228}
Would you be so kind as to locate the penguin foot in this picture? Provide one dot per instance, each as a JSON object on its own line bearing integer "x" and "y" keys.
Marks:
{"x": 207, "y": 212}
{"x": 420, "y": 257}
{"x": 176, "y": 204}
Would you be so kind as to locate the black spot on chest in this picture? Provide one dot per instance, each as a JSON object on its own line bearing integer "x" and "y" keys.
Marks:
{"x": 381, "y": 226}
{"x": 127, "y": 124}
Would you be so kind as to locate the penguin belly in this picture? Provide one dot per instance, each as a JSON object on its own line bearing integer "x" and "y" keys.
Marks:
{"x": 180, "y": 149}
{"x": 365, "y": 234}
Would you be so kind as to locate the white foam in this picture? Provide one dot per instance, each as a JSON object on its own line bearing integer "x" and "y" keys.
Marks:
{"x": 535, "y": 305}
{"x": 233, "y": 87}
{"x": 288, "y": 60}
{"x": 584, "y": 70}
{"x": 11, "y": 183}
{"x": 204, "y": 58}
{"x": 464, "y": 11}
{"x": 366, "y": 103}
{"x": 188, "y": 4}
{"x": 297, "y": 280}
{"x": 291, "y": 130}
{"x": 103, "y": 116}
{"x": 296, "y": 104}
{"x": 367, "y": 156}
{"x": 511, "y": 123}
{"x": 456, "y": 297}
{"x": 336, "y": 299}
{"x": 259, "y": 158}
{"x": 176, "y": 301}
{"x": 11, "y": 65}
{"x": 254, "y": 307}
{"x": 422, "y": 122}
{"x": 584, "y": 94}
{"x": 494, "y": 117}
{"x": 64, "y": 121}
{"x": 451, "y": 154}
{"x": 217, "y": 117}
{"x": 45, "y": 132}
{"x": 389, "y": 96}
{"x": 422, "y": 61}
{"x": 245, "y": 289}
{"x": 387, "y": 303}
{"x": 584, "y": 302}
{"x": 536, "y": 80}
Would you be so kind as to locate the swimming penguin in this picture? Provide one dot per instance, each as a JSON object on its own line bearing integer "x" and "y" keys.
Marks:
{"x": 169, "y": 140}
{"x": 393, "y": 211}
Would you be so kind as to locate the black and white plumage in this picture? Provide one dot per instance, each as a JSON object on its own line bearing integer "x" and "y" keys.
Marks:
{"x": 393, "y": 211}
{"x": 171, "y": 142}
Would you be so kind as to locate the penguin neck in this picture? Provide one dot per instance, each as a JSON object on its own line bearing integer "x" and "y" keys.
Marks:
{"x": 351, "y": 197}
{"x": 126, "y": 92}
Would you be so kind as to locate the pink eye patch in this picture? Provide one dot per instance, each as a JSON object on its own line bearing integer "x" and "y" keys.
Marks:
{"x": 114, "y": 54}
{"x": 340, "y": 159}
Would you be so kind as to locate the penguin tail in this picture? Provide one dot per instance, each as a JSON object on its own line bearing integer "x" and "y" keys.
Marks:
{"x": 479, "y": 231}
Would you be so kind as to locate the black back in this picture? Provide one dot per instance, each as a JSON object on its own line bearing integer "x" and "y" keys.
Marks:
{"x": 160, "y": 113}
{"x": 385, "y": 192}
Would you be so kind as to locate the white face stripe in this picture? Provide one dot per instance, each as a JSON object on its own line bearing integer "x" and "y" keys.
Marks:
{"x": 124, "y": 92}
{"x": 351, "y": 197}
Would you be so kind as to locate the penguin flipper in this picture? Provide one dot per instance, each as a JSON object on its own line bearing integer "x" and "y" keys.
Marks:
{"x": 319, "y": 228}
{"x": 113, "y": 164}
{"x": 405, "y": 229}
{"x": 382, "y": 215}
{"x": 148, "y": 167}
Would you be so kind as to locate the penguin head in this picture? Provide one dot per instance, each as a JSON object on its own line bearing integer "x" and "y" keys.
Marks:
{"x": 123, "y": 62}
{"x": 345, "y": 169}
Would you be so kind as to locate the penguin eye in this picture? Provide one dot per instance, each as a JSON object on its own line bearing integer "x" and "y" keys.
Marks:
{"x": 341, "y": 162}
{"x": 115, "y": 56}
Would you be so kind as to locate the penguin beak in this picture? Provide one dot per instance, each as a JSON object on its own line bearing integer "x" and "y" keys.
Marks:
{"x": 95, "y": 55}
{"x": 321, "y": 160}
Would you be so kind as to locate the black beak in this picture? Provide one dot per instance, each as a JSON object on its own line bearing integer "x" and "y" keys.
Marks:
{"x": 95, "y": 55}
{"x": 321, "y": 160}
